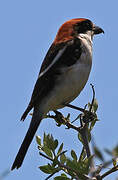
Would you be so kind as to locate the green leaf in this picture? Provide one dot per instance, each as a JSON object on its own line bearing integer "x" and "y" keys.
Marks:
{"x": 72, "y": 164}
{"x": 98, "y": 153}
{"x": 60, "y": 149}
{"x": 55, "y": 144}
{"x": 55, "y": 161}
{"x": 38, "y": 140}
{"x": 46, "y": 169}
{"x": 114, "y": 162}
{"x": 63, "y": 175}
{"x": 83, "y": 167}
{"x": 82, "y": 155}
{"x": 80, "y": 138}
{"x": 63, "y": 158}
{"x": 95, "y": 105}
{"x": 115, "y": 151}
{"x": 61, "y": 178}
{"x": 89, "y": 135}
{"x": 73, "y": 154}
{"x": 47, "y": 151}
{"x": 44, "y": 139}
{"x": 89, "y": 105}
{"x": 92, "y": 124}
{"x": 49, "y": 142}
{"x": 87, "y": 161}
{"x": 86, "y": 165}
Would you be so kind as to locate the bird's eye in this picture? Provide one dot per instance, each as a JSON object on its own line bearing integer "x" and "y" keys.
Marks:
{"x": 83, "y": 27}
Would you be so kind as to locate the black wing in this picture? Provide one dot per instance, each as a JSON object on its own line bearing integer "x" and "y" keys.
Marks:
{"x": 60, "y": 55}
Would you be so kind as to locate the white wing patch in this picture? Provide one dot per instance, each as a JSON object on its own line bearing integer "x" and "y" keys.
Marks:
{"x": 61, "y": 51}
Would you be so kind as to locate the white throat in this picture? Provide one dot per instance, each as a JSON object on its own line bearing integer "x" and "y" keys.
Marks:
{"x": 87, "y": 36}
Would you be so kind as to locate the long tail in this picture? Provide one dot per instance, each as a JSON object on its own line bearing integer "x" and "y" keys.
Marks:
{"x": 36, "y": 119}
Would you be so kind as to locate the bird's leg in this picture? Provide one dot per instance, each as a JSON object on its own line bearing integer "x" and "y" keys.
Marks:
{"x": 88, "y": 115}
{"x": 75, "y": 107}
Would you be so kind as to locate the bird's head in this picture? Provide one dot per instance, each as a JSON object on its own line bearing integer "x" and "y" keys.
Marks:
{"x": 75, "y": 27}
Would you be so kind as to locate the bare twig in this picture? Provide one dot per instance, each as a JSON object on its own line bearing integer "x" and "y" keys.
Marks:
{"x": 62, "y": 153}
{"x": 45, "y": 156}
{"x": 50, "y": 175}
{"x": 114, "y": 169}
{"x": 92, "y": 98}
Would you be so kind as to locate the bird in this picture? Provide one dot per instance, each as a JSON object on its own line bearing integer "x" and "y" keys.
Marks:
{"x": 62, "y": 76}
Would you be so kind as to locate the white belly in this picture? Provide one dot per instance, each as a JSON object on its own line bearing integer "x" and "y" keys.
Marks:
{"x": 69, "y": 85}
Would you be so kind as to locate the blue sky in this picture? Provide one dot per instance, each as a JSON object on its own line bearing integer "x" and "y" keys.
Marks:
{"x": 27, "y": 29}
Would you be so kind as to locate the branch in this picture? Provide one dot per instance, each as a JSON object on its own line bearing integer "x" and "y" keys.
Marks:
{"x": 114, "y": 169}
{"x": 61, "y": 119}
{"x": 83, "y": 130}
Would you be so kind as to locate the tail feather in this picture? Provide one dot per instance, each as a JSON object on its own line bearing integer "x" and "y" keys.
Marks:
{"x": 26, "y": 112}
{"x": 36, "y": 119}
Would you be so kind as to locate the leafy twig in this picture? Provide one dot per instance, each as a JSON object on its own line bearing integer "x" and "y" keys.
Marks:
{"x": 60, "y": 165}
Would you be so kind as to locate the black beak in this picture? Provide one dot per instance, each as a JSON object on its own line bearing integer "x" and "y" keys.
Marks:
{"x": 97, "y": 30}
